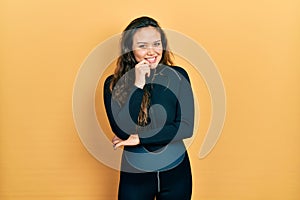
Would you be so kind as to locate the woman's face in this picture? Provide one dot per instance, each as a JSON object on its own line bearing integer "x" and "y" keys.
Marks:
{"x": 147, "y": 45}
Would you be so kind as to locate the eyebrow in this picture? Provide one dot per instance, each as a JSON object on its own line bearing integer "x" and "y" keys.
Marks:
{"x": 147, "y": 42}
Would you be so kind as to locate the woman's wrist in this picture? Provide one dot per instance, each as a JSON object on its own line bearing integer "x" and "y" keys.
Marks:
{"x": 139, "y": 85}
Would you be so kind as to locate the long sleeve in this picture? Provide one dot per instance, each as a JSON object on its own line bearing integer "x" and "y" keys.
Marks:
{"x": 122, "y": 119}
{"x": 176, "y": 127}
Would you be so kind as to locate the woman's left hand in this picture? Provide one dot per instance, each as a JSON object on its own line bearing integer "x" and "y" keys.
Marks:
{"x": 131, "y": 141}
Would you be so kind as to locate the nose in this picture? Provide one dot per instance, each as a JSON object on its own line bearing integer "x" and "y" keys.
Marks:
{"x": 150, "y": 50}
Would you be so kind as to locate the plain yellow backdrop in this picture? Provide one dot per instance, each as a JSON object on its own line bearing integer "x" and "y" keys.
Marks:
{"x": 255, "y": 45}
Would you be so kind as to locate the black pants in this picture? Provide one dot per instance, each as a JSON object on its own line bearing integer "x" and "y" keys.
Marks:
{"x": 167, "y": 185}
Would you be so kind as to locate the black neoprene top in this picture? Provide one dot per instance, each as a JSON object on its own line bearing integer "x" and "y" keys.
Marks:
{"x": 171, "y": 121}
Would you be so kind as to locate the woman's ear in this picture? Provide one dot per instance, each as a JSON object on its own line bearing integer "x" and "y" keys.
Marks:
{"x": 127, "y": 50}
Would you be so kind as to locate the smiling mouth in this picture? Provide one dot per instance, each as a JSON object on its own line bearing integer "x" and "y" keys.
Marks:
{"x": 151, "y": 59}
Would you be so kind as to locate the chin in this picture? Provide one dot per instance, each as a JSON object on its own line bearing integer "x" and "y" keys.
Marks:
{"x": 153, "y": 65}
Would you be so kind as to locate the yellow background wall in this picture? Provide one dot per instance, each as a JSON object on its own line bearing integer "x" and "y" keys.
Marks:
{"x": 255, "y": 45}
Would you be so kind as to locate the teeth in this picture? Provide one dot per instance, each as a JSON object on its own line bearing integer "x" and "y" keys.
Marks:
{"x": 151, "y": 59}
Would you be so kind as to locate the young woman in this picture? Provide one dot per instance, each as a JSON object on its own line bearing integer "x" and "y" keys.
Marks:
{"x": 150, "y": 107}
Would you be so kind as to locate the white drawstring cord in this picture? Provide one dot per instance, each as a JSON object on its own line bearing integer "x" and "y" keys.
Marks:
{"x": 158, "y": 182}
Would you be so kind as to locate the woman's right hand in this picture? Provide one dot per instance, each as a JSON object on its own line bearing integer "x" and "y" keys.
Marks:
{"x": 131, "y": 141}
{"x": 142, "y": 69}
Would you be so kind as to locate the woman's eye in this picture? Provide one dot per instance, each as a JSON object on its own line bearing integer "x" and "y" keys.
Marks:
{"x": 142, "y": 46}
{"x": 156, "y": 44}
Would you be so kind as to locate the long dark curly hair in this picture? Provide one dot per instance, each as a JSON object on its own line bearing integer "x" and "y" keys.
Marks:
{"x": 126, "y": 61}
